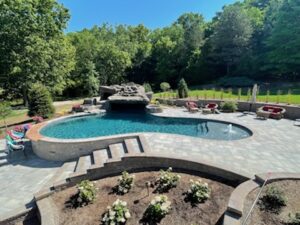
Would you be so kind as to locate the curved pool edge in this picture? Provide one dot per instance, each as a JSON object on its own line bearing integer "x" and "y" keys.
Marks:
{"x": 251, "y": 133}
{"x": 55, "y": 149}
{"x": 45, "y": 124}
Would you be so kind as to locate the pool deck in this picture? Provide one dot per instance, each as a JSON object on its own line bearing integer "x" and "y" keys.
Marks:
{"x": 274, "y": 147}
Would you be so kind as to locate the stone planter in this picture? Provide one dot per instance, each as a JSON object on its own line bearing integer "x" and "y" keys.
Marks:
{"x": 154, "y": 108}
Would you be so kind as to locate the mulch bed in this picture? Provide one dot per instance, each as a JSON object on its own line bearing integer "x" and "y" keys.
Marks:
{"x": 291, "y": 189}
{"x": 182, "y": 213}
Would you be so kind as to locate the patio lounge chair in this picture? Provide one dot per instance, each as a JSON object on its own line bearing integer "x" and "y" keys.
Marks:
{"x": 15, "y": 135}
{"x": 13, "y": 146}
{"x": 192, "y": 107}
{"x": 212, "y": 107}
{"x": 273, "y": 112}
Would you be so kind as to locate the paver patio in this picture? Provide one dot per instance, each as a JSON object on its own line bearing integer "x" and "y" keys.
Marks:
{"x": 274, "y": 146}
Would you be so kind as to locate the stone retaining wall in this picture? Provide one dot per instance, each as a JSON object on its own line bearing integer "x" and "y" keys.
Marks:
{"x": 292, "y": 111}
{"x": 71, "y": 149}
{"x": 234, "y": 212}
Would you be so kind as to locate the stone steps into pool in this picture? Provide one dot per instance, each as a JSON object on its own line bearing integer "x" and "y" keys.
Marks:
{"x": 116, "y": 152}
{"x": 83, "y": 163}
{"x": 99, "y": 158}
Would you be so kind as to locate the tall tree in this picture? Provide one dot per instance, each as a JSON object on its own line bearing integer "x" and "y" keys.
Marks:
{"x": 283, "y": 41}
{"x": 32, "y": 46}
{"x": 232, "y": 36}
{"x": 111, "y": 64}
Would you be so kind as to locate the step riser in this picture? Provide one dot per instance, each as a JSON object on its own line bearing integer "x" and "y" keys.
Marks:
{"x": 117, "y": 151}
{"x": 83, "y": 163}
{"x": 132, "y": 146}
{"x": 4, "y": 163}
{"x": 100, "y": 157}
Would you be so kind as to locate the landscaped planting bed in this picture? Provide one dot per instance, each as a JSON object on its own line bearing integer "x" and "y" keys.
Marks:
{"x": 147, "y": 198}
{"x": 278, "y": 204}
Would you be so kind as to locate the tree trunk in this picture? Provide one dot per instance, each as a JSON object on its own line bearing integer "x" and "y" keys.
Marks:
{"x": 25, "y": 97}
{"x": 5, "y": 124}
{"x": 227, "y": 69}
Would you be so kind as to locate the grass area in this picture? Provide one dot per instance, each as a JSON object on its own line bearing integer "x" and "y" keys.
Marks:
{"x": 20, "y": 115}
{"x": 280, "y": 96}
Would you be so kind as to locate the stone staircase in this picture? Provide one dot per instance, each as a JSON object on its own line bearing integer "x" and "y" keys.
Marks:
{"x": 100, "y": 157}
{"x": 3, "y": 155}
{"x": 6, "y": 159}
{"x": 3, "y": 158}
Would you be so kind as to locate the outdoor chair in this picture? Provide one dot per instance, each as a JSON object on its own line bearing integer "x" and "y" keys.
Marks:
{"x": 273, "y": 112}
{"x": 15, "y": 135}
{"x": 13, "y": 146}
{"x": 211, "y": 107}
{"x": 192, "y": 107}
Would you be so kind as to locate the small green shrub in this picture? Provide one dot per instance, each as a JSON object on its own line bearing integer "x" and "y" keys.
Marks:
{"x": 40, "y": 101}
{"x": 229, "y": 106}
{"x": 117, "y": 214}
{"x": 199, "y": 192}
{"x": 86, "y": 194}
{"x": 273, "y": 200}
{"x": 164, "y": 86}
{"x": 147, "y": 87}
{"x": 294, "y": 219}
{"x": 183, "y": 91}
{"x": 166, "y": 180}
{"x": 125, "y": 183}
{"x": 157, "y": 209}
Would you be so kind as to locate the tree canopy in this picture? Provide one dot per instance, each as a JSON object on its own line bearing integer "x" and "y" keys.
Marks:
{"x": 256, "y": 39}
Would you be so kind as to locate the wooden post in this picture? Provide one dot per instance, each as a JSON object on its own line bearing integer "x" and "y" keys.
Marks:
{"x": 278, "y": 96}
{"x": 239, "y": 93}
{"x": 267, "y": 96}
{"x": 222, "y": 92}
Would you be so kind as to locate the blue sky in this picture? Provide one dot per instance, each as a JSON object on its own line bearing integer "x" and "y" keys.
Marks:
{"x": 151, "y": 13}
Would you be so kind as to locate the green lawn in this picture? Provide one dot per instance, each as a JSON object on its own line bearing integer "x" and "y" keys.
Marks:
{"x": 273, "y": 97}
{"x": 20, "y": 115}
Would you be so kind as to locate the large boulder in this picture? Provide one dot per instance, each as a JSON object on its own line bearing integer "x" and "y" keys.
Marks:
{"x": 129, "y": 93}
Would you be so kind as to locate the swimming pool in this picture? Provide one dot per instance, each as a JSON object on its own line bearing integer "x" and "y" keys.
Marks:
{"x": 122, "y": 123}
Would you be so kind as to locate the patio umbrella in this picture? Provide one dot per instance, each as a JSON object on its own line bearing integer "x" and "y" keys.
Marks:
{"x": 253, "y": 97}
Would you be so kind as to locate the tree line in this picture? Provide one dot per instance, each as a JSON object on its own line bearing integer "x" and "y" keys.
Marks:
{"x": 256, "y": 39}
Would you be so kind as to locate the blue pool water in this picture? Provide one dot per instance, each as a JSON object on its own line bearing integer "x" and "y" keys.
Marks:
{"x": 122, "y": 123}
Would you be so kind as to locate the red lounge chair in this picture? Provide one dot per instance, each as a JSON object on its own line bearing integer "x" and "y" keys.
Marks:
{"x": 274, "y": 112}
{"x": 14, "y": 136}
{"x": 192, "y": 107}
{"x": 212, "y": 107}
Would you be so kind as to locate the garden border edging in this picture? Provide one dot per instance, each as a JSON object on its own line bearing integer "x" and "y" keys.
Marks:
{"x": 132, "y": 163}
{"x": 234, "y": 212}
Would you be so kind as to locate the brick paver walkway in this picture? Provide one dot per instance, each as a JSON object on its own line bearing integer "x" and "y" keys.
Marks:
{"x": 275, "y": 146}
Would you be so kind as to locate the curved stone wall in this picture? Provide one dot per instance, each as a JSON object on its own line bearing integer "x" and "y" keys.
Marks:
{"x": 54, "y": 149}
{"x": 234, "y": 213}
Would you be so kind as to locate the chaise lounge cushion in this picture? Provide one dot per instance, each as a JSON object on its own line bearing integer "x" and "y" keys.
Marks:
{"x": 275, "y": 111}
